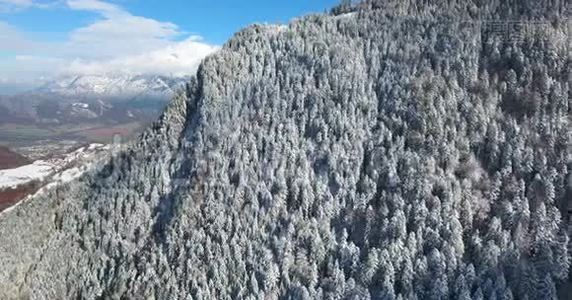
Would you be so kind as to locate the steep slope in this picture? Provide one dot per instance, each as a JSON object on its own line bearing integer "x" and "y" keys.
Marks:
{"x": 383, "y": 151}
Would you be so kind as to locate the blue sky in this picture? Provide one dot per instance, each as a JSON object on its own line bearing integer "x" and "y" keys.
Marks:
{"x": 43, "y": 39}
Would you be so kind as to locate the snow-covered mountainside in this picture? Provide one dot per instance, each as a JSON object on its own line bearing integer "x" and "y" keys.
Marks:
{"x": 43, "y": 169}
{"x": 388, "y": 150}
{"x": 114, "y": 86}
{"x": 19, "y": 183}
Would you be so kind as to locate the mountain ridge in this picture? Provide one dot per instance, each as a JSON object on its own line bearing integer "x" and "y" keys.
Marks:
{"x": 92, "y": 98}
{"x": 113, "y": 86}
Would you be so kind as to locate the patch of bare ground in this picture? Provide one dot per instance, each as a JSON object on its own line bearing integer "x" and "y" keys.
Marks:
{"x": 10, "y": 159}
{"x": 11, "y": 196}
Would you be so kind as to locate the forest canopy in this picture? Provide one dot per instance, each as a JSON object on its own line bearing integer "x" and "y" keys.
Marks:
{"x": 385, "y": 150}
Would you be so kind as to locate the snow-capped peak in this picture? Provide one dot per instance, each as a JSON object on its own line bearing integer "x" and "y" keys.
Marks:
{"x": 113, "y": 85}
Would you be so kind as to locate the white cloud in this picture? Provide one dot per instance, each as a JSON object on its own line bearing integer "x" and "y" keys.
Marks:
{"x": 16, "y": 5}
{"x": 118, "y": 33}
{"x": 177, "y": 59}
{"x": 13, "y": 40}
{"x": 10, "y": 5}
{"x": 117, "y": 42}
{"x": 18, "y": 60}
{"x": 94, "y": 5}
{"x": 17, "y": 2}
{"x": 25, "y": 57}
{"x": 125, "y": 34}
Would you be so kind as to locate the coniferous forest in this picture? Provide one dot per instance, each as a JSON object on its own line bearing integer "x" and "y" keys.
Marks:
{"x": 383, "y": 150}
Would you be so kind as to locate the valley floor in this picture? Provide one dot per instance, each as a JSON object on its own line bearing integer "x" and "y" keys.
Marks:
{"x": 19, "y": 182}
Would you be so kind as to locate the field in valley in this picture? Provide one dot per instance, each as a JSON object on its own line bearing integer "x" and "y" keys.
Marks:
{"x": 20, "y": 145}
{"x": 16, "y": 135}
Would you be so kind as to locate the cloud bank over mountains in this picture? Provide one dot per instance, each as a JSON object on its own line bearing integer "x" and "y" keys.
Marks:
{"x": 115, "y": 42}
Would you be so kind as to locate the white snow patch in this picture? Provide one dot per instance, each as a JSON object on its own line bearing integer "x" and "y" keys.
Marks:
{"x": 346, "y": 15}
{"x": 42, "y": 169}
{"x": 277, "y": 28}
{"x": 69, "y": 175}
{"x": 38, "y": 170}
{"x": 54, "y": 171}
{"x": 96, "y": 146}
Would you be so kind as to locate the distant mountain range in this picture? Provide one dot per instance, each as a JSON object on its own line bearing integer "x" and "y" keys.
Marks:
{"x": 114, "y": 98}
{"x": 116, "y": 86}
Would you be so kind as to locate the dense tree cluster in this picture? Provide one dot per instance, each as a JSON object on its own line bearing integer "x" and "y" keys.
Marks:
{"x": 382, "y": 151}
